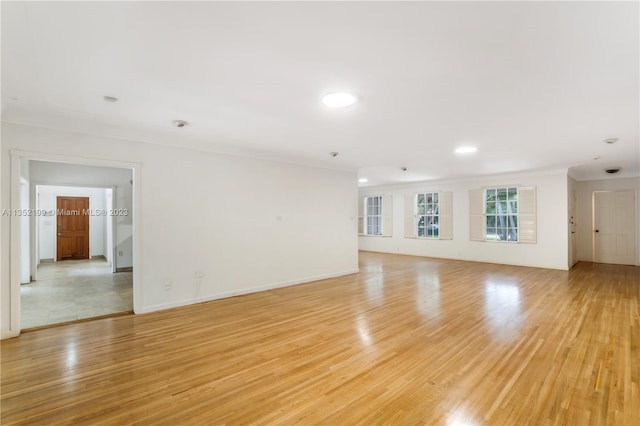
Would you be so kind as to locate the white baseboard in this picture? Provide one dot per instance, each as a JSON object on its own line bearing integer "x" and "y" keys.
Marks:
{"x": 8, "y": 334}
{"x": 224, "y": 295}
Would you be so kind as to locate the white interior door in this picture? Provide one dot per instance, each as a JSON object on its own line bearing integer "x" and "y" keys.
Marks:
{"x": 614, "y": 232}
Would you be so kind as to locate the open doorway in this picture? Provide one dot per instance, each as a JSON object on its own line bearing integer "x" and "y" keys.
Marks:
{"x": 75, "y": 277}
{"x": 53, "y": 287}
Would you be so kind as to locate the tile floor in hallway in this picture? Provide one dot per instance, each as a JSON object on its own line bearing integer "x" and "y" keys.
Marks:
{"x": 73, "y": 290}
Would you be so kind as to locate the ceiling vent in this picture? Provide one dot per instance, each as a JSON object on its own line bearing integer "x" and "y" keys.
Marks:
{"x": 613, "y": 170}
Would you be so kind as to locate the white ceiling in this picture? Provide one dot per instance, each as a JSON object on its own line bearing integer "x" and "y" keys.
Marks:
{"x": 533, "y": 85}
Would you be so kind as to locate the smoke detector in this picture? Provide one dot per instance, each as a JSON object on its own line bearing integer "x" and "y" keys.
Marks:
{"x": 613, "y": 170}
{"x": 180, "y": 123}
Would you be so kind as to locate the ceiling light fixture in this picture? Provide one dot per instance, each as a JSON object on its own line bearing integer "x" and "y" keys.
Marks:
{"x": 338, "y": 100}
{"x": 466, "y": 150}
{"x": 180, "y": 123}
{"x": 363, "y": 180}
{"x": 110, "y": 99}
{"x": 611, "y": 140}
{"x": 404, "y": 169}
{"x": 334, "y": 154}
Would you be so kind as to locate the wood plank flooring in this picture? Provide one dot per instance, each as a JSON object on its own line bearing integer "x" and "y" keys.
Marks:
{"x": 407, "y": 340}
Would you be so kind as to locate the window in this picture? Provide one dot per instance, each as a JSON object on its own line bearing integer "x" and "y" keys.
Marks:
{"x": 505, "y": 213}
{"x": 375, "y": 215}
{"x": 501, "y": 214}
{"x": 427, "y": 215}
{"x": 373, "y": 218}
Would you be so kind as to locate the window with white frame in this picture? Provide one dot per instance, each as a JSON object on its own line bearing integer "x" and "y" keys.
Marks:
{"x": 373, "y": 215}
{"x": 427, "y": 215}
{"x": 501, "y": 214}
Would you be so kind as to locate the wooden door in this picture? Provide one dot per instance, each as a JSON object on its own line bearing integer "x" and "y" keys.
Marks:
{"x": 614, "y": 227}
{"x": 73, "y": 228}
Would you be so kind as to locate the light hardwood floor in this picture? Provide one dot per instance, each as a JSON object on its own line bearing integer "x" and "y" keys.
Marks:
{"x": 407, "y": 340}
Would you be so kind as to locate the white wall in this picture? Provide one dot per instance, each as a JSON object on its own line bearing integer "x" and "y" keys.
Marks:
{"x": 549, "y": 252}
{"x": 43, "y": 172}
{"x": 245, "y": 224}
{"x": 585, "y": 211}
{"x": 47, "y": 224}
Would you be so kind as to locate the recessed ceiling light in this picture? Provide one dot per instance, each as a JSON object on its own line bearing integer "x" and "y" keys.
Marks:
{"x": 363, "y": 180}
{"x": 466, "y": 149}
{"x": 338, "y": 100}
{"x": 110, "y": 99}
{"x": 180, "y": 123}
{"x": 611, "y": 140}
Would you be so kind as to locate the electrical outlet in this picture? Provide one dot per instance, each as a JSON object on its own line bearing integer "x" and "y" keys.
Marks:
{"x": 120, "y": 253}
{"x": 198, "y": 274}
{"x": 168, "y": 284}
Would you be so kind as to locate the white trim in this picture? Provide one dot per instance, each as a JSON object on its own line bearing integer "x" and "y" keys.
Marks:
{"x": 68, "y": 159}
{"x": 137, "y": 238}
{"x": 14, "y": 252}
{"x": 223, "y": 295}
{"x": 15, "y": 249}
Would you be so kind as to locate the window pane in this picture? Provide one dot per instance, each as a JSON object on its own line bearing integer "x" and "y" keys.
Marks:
{"x": 491, "y": 234}
{"x": 491, "y": 195}
{"x": 502, "y": 207}
{"x": 491, "y": 207}
{"x": 502, "y": 194}
{"x": 435, "y": 197}
{"x": 512, "y": 206}
{"x": 420, "y": 208}
{"x": 513, "y": 235}
{"x": 420, "y": 199}
{"x": 491, "y": 221}
{"x": 421, "y": 231}
{"x": 421, "y": 221}
{"x": 513, "y": 193}
{"x": 512, "y": 221}
{"x": 429, "y": 198}
{"x": 429, "y": 208}
{"x": 501, "y": 221}
{"x": 502, "y": 234}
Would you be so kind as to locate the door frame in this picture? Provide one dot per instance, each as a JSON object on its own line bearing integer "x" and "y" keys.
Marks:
{"x": 15, "y": 234}
{"x": 111, "y": 235}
